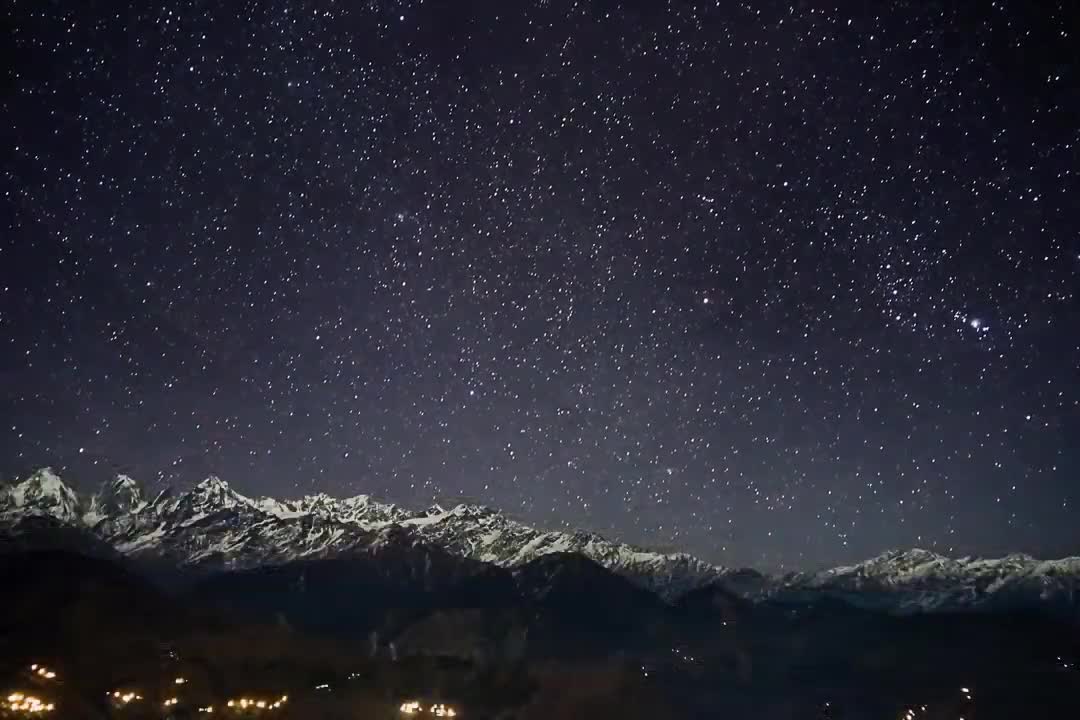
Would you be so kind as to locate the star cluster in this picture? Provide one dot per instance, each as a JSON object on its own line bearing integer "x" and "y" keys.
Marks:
{"x": 780, "y": 284}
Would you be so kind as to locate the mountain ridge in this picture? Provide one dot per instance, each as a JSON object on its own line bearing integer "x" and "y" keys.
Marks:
{"x": 251, "y": 531}
{"x": 214, "y": 526}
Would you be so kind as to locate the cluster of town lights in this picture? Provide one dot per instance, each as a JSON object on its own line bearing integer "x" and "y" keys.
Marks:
{"x": 244, "y": 704}
{"x": 23, "y": 703}
{"x": 413, "y": 707}
{"x": 42, "y": 672}
{"x": 123, "y": 698}
{"x": 256, "y": 704}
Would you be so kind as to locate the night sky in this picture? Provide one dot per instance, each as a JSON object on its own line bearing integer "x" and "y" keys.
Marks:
{"x": 778, "y": 284}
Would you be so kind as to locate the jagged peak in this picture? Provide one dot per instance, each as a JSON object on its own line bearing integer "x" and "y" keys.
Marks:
{"x": 904, "y": 556}
{"x": 368, "y": 503}
{"x": 220, "y": 492}
{"x": 212, "y": 482}
{"x": 122, "y": 484}
{"x": 906, "y": 553}
{"x": 46, "y": 480}
{"x": 126, "y": 481}
{"x": 467, "y": 510}
{"x": 117, "y": 494}
{"x": 43, "y": 491}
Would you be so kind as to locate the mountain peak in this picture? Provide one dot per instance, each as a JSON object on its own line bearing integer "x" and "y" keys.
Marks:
{"x": 909, "y": 555}
{"x": 47, "y": 482}
{"x": 473, "y": 511}
{"x": 217, "y": 492}
{"x": 213, "y": 483}
{"x": 125, "y": 488}
{"x": 126, "y": 482}
{"x": 41, "y": 493}
{"x": 118, "y": 495}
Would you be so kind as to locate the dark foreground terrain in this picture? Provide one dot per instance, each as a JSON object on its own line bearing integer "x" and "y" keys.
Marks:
{"x": 560, "y": 638}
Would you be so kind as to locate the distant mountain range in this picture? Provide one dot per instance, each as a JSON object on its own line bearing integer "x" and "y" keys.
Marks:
{"x": 212, "y": 527}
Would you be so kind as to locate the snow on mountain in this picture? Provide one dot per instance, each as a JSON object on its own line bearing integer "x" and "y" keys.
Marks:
{"x": 483, "y": 534}
{"x": 921, "y": 580}
{"x": 119, "y": 496}
{"x": 43, "y": 493}
{"x": 923, "y": 568}
{"x": 212, "y": 525}
{"x": 360, "y": 510}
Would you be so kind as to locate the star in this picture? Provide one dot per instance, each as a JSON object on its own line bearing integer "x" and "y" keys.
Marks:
{"x": 365, "y": 256}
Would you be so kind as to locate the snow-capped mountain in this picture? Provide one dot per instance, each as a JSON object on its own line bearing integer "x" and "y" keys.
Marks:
{"x": 43, "y": 493}
{"x": 118, "y": 497}
{"x": 483, "y": 534}
{"x": 919, "y": 580}
{"x": 213, "y": 526}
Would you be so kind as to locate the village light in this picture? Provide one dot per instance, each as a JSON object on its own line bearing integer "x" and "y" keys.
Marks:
{"x": 244, "y": 704}
{"x": 411, "y": 707}
{"x": 123, "y": 698}
{"x": 27, "y": 704}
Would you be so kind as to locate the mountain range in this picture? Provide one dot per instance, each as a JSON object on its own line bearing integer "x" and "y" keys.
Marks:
{"x": 212, "y": 527}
